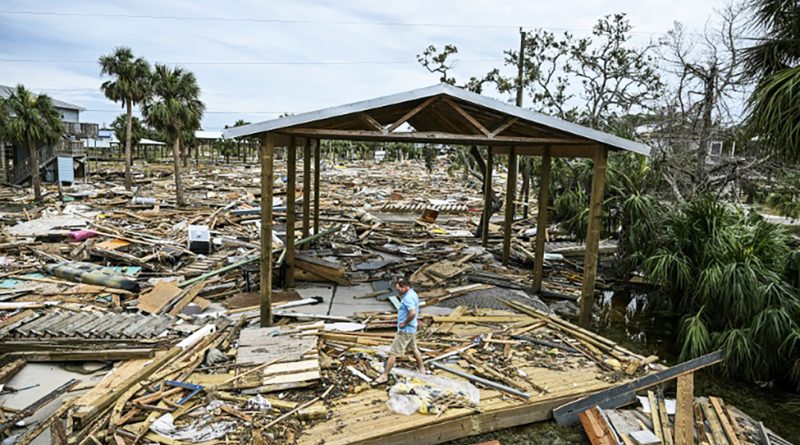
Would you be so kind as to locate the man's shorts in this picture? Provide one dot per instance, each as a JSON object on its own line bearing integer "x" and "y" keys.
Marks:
{"x": 403, "y": 341}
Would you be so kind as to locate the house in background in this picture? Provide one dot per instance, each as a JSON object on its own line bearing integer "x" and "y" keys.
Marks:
{"x": 16, "y": 169}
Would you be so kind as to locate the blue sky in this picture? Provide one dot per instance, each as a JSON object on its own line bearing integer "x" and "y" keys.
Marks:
{"x": 52, "y": 46}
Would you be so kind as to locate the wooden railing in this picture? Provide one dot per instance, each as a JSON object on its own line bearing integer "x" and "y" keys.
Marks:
{"x": 22, "y": 169}
{"x": 81, "y": 129}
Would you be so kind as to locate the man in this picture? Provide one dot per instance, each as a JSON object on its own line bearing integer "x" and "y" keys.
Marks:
{"x": 405, "y": 338}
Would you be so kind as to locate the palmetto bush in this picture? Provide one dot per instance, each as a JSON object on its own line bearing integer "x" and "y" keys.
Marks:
{"x": 725, "y": 272}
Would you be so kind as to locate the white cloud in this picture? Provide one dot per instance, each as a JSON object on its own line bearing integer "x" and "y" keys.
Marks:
{"x": 291, "y": 88}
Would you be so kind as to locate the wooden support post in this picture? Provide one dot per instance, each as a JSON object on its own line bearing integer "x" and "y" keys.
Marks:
{"x": 593, "y": 235}
{"x": 267, "y": 150}
{"x": 511, "y": 191}
{"x": 684, "y": 414}
{"x": 306, "y": 189}
{"x": 291, "y": 192}
{"x": 541, "y": 220}
{"x": 487, "y": 197}
{"x": 317, "y": 162}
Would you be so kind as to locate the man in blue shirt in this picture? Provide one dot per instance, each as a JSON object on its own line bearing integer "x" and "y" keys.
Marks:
{"x": 405, "y": 339}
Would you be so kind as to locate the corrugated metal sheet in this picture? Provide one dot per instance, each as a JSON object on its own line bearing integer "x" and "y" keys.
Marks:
{"x": 435, "y": 90}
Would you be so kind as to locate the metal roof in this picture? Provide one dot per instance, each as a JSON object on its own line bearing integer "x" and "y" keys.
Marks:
{"x": 476, "y": 100}
{"x": 5, "y": 91}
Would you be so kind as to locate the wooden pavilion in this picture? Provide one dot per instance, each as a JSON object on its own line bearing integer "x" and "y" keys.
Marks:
{"x": 436, "y": 114}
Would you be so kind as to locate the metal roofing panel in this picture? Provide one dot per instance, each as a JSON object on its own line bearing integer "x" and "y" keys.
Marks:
{"x": 449, "y": 90}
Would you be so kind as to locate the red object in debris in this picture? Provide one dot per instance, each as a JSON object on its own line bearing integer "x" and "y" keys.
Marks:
{"x": 80, "y": 235}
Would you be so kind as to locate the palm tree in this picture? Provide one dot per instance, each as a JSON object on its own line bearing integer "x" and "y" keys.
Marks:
{"x": 31, "y": 120}
{"x": 122, "y": 125}
{"x": 129, "y": 85}
{"x": 773, "y": 62}
{"x": 174, "y": 108}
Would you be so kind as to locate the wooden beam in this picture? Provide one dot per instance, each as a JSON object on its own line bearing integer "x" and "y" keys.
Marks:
{"x": 291, "y": 191}
{"x": 503, "y": 127}
{"x": 684, "y": 412}
{"x": 581, "y": 150}
{"x": 371, "y": 122}
{"x": 470, "y": 118}
{"x": 429, "y": 136}
{"x": 317, "y": 163}
{"x": 411, "y": 113}
{"x": 626, "y": 393}
{"x": 511, "y": 189}
{"x": 267, "y": 152}
{"x": 306, "y": 189}
{"x": 541, "y": 220}
{"x": 487, "y": 197}
{"x": 593, "y": 235}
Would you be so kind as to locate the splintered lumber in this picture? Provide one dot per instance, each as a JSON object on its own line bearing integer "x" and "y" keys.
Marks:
{"x": 713, "y": 424}
{"x": 481, "y": 380}
{"x": 187, "y": 297}
{"x": 662, "y": 411}
{"x": 596, "y": 427}
{"x": 620, "y": 395}
{"x": 33, "y": 433}
{"x": 87, "y": 413}
{"x": 684, "y": 415}
{"x": 9, "y": 370}
{"x": 716, "y": 403}
{"x": 301, "y": 407}
{"x": 585, "y": 336}
{"x": 319, "y": 268}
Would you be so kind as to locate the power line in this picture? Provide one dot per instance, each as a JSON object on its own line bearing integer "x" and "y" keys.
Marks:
{"x": 295, "y": 21}
{"x": 351, "y": 62}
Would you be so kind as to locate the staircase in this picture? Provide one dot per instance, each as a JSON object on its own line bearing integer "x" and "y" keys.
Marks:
{"x": 47, "y": 155}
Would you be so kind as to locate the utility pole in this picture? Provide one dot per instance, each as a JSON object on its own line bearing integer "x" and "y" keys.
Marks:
{"x": 526, "y": 171}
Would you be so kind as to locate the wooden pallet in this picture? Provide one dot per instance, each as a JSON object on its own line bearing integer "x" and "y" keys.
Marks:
{"x": 204, "y": 265}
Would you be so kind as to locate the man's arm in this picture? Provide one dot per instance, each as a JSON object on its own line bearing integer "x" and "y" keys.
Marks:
{"x": 411, "y": 314}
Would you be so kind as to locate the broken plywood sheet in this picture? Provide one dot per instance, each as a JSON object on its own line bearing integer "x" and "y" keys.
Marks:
{"x": 438, "y": 272}
{"x": 161, "y": 294}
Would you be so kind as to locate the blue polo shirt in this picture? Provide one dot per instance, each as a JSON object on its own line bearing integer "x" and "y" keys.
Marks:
{"x": 410, "y": 301}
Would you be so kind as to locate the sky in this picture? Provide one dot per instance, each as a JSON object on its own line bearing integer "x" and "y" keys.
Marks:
{"x": 255, "y": 60}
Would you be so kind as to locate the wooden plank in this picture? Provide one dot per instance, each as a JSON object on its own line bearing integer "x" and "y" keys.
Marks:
{"x": 10, "y": 369}
{"x": 596, "y": 427}
{"x": 654, "y": 416}
{"x": 714, "y": 424}
{"x": 188, "y": 295}
{"x": 292, "y": 378}
{"x": 684, "y": 415}
{"x": 716, "y": 403}
{"x": 665, "y": 427}
{"x": 593, "y": 236}
{"x": 291, "y": 367}
{"x": 470, "y": 118}
{"x": 541, "y": 220}
{"x": 614, "y": 397}
{"x": 410, "y": 114}
{"x": 266, "y": 230}
{"x": 158, "y": 297}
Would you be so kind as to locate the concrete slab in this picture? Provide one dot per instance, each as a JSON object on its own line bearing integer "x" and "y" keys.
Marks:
{"x": 315, "y": 290}
{"x": 49, "y": 377}
{"x": 345, "y": 304}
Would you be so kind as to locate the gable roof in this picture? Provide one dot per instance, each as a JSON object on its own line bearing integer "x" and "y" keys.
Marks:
{"x": 387, "y": 109}
{"x": 6, "y": 91}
